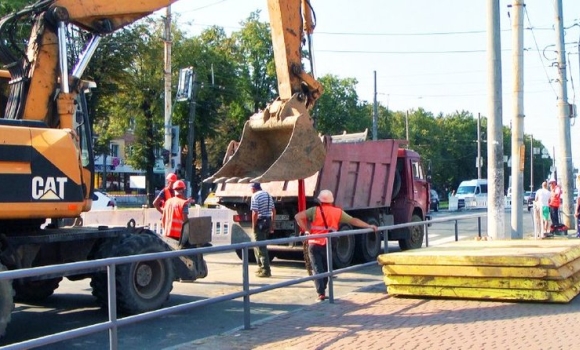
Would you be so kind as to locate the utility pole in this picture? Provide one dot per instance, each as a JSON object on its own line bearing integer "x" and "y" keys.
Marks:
{"x": 167, "y": 88}
{"x": 479, "y": 146}
{"x": 532, "y": 163}
{"x": 564, "y": 159}
{"x": 375, "y": 112}
{"x": 407, "y": 125}
{"x": 495, "y": 174}
{"x": 189, "y": 168}
{"x": 518, "y": 147}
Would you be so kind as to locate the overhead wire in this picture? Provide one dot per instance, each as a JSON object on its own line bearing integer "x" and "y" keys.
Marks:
{"x": 538, "y": 49}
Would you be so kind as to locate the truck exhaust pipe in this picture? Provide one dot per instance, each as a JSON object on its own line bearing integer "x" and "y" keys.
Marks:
{"x": 278, "y": 144}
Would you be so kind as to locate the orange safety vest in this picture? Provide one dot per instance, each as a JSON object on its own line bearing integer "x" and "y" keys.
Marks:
{"x": 555, "y": 198}
{"x": 317, "y": 226}
{"x": 173, "y": 217}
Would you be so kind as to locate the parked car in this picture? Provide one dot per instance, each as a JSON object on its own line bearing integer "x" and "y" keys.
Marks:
{"x": 434, "y": 200}
{"x": 529, "y": 198}
{"x": 102, "y": 201}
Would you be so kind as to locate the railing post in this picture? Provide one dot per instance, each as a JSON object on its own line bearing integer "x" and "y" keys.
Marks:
{"x": 456, "y": 230}
{"x": 479, "y": 226}
{"x": 386, "y": 241}
{"x": 426, "y": 235}
{"x": 329, "y": 264}
{"x": 246, "y": 286}
{"x": 112, "y": 295}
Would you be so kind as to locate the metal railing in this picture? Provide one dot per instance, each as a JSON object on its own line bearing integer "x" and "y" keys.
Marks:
{"x": 110, "y": 264}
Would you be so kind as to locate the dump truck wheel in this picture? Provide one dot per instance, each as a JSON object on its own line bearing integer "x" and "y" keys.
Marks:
{"x": 141, "y": 286}
{"x": 368, "y": 245}
{"x": 35, "y": 290}
{"x": 415, "y": 235}
{"x": 343, "y": 253}
{"x": 252, "y": 256}
{"x": 6, "y": 302}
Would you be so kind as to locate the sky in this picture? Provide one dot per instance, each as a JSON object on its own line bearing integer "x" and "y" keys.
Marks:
{"x": 429, "y": 54}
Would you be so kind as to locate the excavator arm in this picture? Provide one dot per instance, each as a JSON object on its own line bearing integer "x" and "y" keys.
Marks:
{"x": 280, "y": 143}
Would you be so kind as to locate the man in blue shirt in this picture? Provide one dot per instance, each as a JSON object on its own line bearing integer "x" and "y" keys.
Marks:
{"x": 263, "y": 216}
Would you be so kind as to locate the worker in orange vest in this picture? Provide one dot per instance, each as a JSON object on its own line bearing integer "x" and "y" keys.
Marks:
{"x": 166, "y": 193}
{"x": 175, "y": 211}
{"x": 324, "y": 218}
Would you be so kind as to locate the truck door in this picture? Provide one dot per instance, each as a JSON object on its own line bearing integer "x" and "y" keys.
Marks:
{"x": 420, "y": 186}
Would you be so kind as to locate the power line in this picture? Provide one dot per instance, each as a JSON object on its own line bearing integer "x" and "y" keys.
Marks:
{"x": 538, "y": 50}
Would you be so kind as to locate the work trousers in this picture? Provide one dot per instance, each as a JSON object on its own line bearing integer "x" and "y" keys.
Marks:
{"x": 261, "y": 232}
{"x": 554, "y": 216}
{"x": 317, "y": 254}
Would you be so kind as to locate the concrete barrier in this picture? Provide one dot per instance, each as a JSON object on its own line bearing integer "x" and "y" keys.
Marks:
{"x": 222, "y": 220}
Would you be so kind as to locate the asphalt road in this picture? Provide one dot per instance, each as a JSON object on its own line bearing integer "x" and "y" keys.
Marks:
{"x": 73, "y": 306}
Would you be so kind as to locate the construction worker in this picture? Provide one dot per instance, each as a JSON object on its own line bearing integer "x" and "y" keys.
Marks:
{"x": 175, "y": 211}
{"x": 324, "y": 218}
{"x": 166, "y": 193}
{"x": 263, "y": 216}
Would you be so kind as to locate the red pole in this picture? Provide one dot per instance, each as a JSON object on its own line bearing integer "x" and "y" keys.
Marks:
{"x": 301, "y": 195}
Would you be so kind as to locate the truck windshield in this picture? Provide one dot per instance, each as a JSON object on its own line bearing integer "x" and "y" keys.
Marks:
{"x": 466, "y": 190}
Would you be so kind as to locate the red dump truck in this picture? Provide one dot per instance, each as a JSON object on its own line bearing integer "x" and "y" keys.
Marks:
{"x": 379, "y": 182}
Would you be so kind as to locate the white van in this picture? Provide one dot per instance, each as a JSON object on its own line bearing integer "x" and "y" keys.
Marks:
{"x": 472, "y": 194}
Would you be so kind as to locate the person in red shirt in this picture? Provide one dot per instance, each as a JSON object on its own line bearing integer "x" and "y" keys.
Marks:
{"x": 166, "y": 193}
{"x": 175, "y": 211}
{"x": 322, "y": 219}
{"x": 554, "y": 202}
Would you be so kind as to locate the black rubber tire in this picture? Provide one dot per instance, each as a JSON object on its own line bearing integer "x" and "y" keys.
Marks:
{"x": 141, "y": 286}
{"x": 6, "y": 302}
{"x": 397, "y": 182}
{"x": 35, "y": 290}
{"x": 416, "y": 234}
{"x": 368, "y": 245}
{"x": 343, "y": 253}
{"x": 252, "y": 256}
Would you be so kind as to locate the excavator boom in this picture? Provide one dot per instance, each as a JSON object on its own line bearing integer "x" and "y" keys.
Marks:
{"x": 280, "y": 143}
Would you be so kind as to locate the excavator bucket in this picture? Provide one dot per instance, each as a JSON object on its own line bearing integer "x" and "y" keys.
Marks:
{"x": 278, "y": 144}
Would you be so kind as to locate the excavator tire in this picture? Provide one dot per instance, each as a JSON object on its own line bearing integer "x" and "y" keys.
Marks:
{"x": 35, "y": 290}
{"x": 368, "y": 245}
{"x": 141, "y": 286}
{"x": 415, "y": 235}
{"x": 6, "y": 302}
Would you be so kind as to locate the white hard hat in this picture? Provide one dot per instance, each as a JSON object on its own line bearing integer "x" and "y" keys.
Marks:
{"x": 325, "y": 196}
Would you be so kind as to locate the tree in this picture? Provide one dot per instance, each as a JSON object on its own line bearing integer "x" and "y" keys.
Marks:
{"x": 339, "y": 109}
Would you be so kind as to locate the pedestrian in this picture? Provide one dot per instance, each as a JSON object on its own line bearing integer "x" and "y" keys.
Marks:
{"x": 263, "y": 217}
{"x": 541, "y": 201}
{"x": 321, "y": 219}
{"x": 554, "y": 203}
{"x": 175, "y": 211}
{"x": 577, "y": 215}
{"x": 166, "y": 193}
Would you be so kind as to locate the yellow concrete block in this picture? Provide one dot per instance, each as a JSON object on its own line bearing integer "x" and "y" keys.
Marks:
{"x": 549, "y": 253}
{"x": 484, "y": 282}
{"x": 485, "y": 293}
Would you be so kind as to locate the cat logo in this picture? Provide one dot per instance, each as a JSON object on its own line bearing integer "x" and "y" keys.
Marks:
{"x": 51, "y": 188}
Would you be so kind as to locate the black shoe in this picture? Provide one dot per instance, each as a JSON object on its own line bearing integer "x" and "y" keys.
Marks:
{"x": 263, "y": 273}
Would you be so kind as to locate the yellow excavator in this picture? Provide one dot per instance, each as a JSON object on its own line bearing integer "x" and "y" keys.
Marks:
{"x": 46, "y": 155}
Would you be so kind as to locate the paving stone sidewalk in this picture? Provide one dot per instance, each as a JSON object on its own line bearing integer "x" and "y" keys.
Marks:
{"x": 371, "y": 319}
